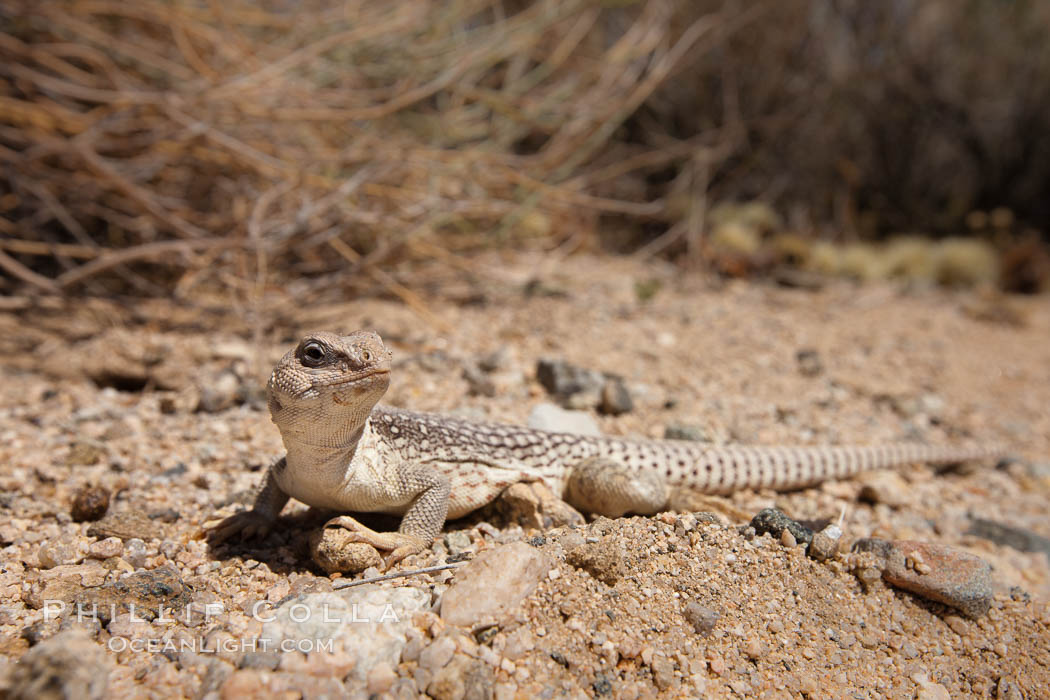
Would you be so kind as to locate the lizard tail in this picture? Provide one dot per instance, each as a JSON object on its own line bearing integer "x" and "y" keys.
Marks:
{"x": 724, "y": 469}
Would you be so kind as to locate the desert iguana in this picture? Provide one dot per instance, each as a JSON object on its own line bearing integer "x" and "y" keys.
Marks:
{"x": 347, "y": 454}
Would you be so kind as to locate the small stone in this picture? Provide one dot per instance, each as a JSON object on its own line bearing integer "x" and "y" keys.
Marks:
{"x": 381, "y": 678}
{"x": 615, "y": 399}
{"x": 950, "y": 576}
{"x": 479, "y": 383}
{"x": 135, "y": 552}
{"x": 332, "y": 549}
{"x": 703, "y": 619}
{"x": 58, "y": 553}
{"x": 436, "y": 656}
{"x": 682, "y": 431}
{"x": 663, "y": 671}
{"x": 493, "y": 584}
{"x": 457, "y": 542}
{"x": 775, "y": 521}
{"x": 146, "y": 594}
{"x": 90, "y": 503}
{"x": 566, "y": 381}
{"x": 127, "y": 524}
{"x": 787, "y": 540}
{"x": 1021, "y": 539}
{"x": 461, "y": 679}
{"x": 534, "y": 505}
{"x": 547, "y": 416}
{"x": 883, "y": 486}
{"x": 68, "y": 665}
{"x": 104, "y": 549}
{"x": 824, "y": 546}
{"x": 222, "y": 392}
{"x": 606, "y": 560}
{"x": 754, "y": 649}
{"x": 809, "y": 363}
{"x": 85, "y": 453}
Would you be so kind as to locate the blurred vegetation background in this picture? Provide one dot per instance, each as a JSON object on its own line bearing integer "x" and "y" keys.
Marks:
{"x": 175, "y": 147}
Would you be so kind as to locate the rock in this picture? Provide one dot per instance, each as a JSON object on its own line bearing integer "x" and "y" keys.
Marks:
{"x": 681, "y": 431}
{"x": 775, "y": 521}
{"x": 937, "y": 572}
{"x": 493, "y": 584}
{"x": 86, "y": 452}
{"x": 436, "y": 655}
{"x": 607, "y": 560}
{"x": 496, "y": 360}
{"x": 462, "y": 679}
{"x": 574, "y": 386}
{"x": 58, "y": 553}
{"x": 825, "y": 543}
{"x": 534, "y": 505}
{"x": 547, "y": 416}
{"x": 663, "y": 671}
{"x": 332, "y": 550}
{"x": 703, "y": 619}
{"x": 457, "y": 542}
{"x": 883, "y": 486}
{"x": 615, "y": 398}
{"x": 127, "y": 524}
{"x": 1022, "y": 540}
{"x": 68, "y": 665}
{"x": 809, "y": 363}
{"x": 104, "y": 549}
{"x": 90, "y": 503}
{"x": 145, "y": 594}
{"x": 135, "y": 552}
{"x": 62, "y": 584}
{"x": 478, "y": 381}
{"x": 371, "y": 623}
{"x": 928, "y": 690}
{"x": 222, "y": 392}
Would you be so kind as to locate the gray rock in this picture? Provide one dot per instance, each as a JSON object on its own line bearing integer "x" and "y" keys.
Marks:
{"x": 682, "y": 431}
{"x": 809, "y": 363}
{"x": 68, "y": 665}
{"x": 369, "y": 622}
{"x": 144, "y": 594}
{"x": 564, "y": 380}
{"x": 615, "y": 398}
{"x": 775, "y": 521}
{"x": 457, "y": 542}
{"x": 547, "y": 416}
{"x": 1022, "y": 540}
{"x": 493, "y": 584}
{"x": 702, "y": 618}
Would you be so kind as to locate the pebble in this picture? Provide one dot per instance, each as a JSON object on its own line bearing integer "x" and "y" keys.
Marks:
{"x": 90, "y": 503}
{"x": 1021, "y": 539}
{"x": 68, "y": 665}
{"x": 146, "y": 593}
{"x": 548, "y": 416}
{"x": 615, "y": 399}
{"x": 936, "y": 572}
{"x": 104, "y": 549}
{"x": 775, "y": 521}
{"x": 825, "y": 543}
{"x": 437, "y": 655}
{"x": 58, "y": 553}
{"x": 682, "y": 431}
{"x": 493, "y": 584}
{"x": 370, "y": 622}
{"x": 570, "y": 383}
{"x": 883, "y": 486}
{"x": 127, "y": 524}
{"x": 809, "y": 362}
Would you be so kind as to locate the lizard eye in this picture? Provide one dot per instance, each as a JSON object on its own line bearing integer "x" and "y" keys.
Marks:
{"x": 313, "y": 354}
{"x": 366, "y": 355}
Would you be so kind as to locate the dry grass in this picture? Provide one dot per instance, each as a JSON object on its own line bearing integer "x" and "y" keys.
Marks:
{"x": 157, "y": 146}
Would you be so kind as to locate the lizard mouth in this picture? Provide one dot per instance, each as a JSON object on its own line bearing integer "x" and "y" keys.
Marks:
{"x": 367, "y": 374}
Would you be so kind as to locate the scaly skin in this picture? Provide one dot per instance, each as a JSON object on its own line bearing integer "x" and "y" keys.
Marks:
{"x": 347, "y": 454}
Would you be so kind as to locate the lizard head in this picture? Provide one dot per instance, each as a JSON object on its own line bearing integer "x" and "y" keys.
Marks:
{"x": 324, "y": 389}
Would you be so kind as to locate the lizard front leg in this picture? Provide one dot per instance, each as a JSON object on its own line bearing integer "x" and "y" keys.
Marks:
{"x": 258, "y": 521}
{"x": 429, "y": 491}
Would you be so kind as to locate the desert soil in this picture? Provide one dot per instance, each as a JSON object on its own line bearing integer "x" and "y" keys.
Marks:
{"x": 160, "y": 405}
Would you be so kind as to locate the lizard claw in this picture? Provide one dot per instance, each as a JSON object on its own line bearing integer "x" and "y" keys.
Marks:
{"x": 399, "y": 544}
{"x": 247, "y": 524}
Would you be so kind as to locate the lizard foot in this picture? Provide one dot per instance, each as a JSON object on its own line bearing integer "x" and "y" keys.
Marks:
{"x": 398, "y": 544}
{"x": 247, "y": 523}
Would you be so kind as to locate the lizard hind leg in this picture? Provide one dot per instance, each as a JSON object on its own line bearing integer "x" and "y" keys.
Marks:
{"x": 603, "y": 486}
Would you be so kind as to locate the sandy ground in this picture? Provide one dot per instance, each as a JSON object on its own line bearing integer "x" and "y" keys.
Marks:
{"x": 104, "y": 394}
